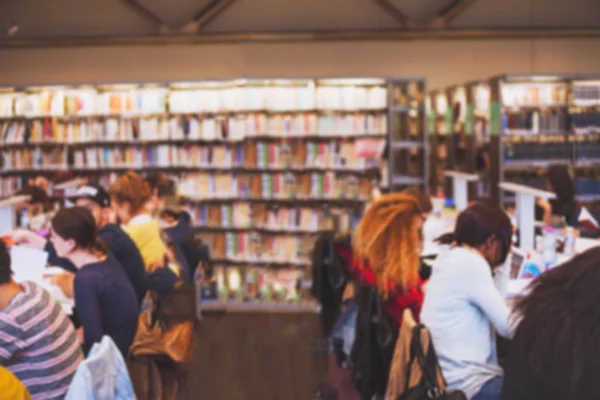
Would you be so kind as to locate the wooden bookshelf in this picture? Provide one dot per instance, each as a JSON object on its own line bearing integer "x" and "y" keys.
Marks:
{"x": 263, "y": 166}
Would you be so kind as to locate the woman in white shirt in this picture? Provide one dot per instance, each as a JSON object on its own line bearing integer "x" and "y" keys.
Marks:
{"x": 462, "y": 303}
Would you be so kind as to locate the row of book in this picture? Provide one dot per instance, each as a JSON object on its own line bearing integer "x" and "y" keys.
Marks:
{"x": 10, "y": 185}
{"x": 577, "y": 150}
{"x": 273, "y": 186}
{"x": 35, "y": 159}
{"x": 586, "y": 94}
{"x": 252, "y": 247}
{"x": 91, "y": 101}
{"x": 534, "y": 122}
{"x": 534, "y": 94}
{"x": 190, "y": 128}
{"x": 255, "y": 155}
{"x": 244, "y": 216}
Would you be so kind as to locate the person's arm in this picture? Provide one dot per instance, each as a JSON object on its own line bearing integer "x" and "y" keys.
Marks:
{"x": 547, "y": 207}
{"x": 502, "y": 276}
{"x": 484, "y": 294}
{"x": 87, "y": 306}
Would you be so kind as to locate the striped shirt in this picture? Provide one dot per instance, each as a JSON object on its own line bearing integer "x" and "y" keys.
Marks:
{"x": 38, "y": 343}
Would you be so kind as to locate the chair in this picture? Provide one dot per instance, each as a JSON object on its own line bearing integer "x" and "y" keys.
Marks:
{"x": 102, "y": 375}
{"x": 405, "y": 371}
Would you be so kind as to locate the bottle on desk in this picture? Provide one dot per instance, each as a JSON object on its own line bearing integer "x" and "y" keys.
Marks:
{"x": 569, "y": 249}
{"x": 548, "y": 249}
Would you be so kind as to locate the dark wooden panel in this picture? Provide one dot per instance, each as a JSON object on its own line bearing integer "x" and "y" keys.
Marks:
{"x": 266, "y": 356}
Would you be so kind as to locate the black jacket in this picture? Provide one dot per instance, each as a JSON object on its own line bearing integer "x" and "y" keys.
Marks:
{"x": 374, "y": 344}
{"x": 122, "y": 248}
{"x": 190, "y": 250}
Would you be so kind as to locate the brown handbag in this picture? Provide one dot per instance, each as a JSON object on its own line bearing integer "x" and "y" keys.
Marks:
{"x": 164, "y": 332}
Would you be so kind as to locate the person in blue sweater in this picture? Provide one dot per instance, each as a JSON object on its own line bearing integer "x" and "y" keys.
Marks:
{"x": 105, "y": 302}
{"x": 120, "y": 245}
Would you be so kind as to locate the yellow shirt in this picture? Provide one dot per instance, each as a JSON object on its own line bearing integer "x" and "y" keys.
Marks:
{"x": 146, "y": 234}
{"x": 12, "y": 388}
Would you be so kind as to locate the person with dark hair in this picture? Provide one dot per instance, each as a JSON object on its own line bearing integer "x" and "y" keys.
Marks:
{"x": 554, "y": 353}
{"x": 560, "y": 183}
{"x": 462, "y": 303}
{"x": 38, "y": 343}
{"x": 422, "y": 197}
{"x": 36, "y": 208}
{"x": 105, "y": 302}
{"x": 120, "y": 245}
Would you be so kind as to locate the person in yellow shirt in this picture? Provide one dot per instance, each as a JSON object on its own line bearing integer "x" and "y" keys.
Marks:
{"x": 129, "y": 197}
{"x": 12, "y": 388}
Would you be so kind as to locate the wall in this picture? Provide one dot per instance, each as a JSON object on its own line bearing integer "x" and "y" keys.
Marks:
{"x": 442, "y": 62}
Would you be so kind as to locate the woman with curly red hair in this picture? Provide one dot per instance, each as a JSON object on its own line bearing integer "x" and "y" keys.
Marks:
{"x": 386, "y": 252}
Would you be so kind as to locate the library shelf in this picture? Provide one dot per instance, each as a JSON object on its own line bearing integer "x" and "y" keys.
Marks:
{"x": 286, "y": 148}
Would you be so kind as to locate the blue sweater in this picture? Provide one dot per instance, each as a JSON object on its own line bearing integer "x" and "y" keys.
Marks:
{"x": 105, "y": 304}
{"x": 122, "y": 248}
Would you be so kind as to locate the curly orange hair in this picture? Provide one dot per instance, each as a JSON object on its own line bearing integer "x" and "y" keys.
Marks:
{"x": 386, "y": 239}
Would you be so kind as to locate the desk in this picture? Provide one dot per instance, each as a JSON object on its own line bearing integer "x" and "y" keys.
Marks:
{"x": 248, "y": 351}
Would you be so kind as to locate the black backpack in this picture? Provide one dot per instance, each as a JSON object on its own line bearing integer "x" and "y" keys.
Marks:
{"x": 428, "y": 388}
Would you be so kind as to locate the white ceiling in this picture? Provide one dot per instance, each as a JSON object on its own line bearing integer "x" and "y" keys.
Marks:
{"x": 50, "y": 18}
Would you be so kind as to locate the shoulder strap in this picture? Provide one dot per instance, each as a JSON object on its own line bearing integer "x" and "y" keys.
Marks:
{"x": 427, "y": 362}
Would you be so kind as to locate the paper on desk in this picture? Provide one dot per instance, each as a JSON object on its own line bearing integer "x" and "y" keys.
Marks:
{"x": 27, "y": 264}
{"x": 59, "y": 296}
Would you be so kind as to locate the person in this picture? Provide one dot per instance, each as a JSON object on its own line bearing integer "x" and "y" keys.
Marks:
{"x": 35, "y": 209}
{"x": 129, "y": 197}
{"x": 462, "y": 303}
{"x": 11, "y": 388}
{"x": 161, "y": 187}
{"x": 426, "y": 207}
{"x": 386, "y": 260}
{"x": 386, "y": 250}
{"x": 96, "y": 199}
{"x": 41, "y": 182}
{"x": 423, "y": 198}
{"x": 553, "y": 355}
{"x": 105, "y": 302}
{"x": 559, "y": 182}
{"x": 38, "y": 342}
{"x": 180, "y": 233}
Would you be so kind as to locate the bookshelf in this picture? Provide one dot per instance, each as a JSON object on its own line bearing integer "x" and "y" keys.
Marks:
{"x": 263, "y": 165}
{"x": 408, "y": 145}
{"x": 525, "y": 123}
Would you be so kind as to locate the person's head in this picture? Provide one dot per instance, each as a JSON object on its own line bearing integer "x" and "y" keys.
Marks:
{"x": 36, "y": 207}
{"x": 422, "y": 197}
{"x": 40, "y": 182}
{"x": 38, "y": 200}
{"x": 74, "y": 231}
{"x": 96, "y": 200}
{"x": 387, "y": 238}
{"x": 129, "y": 195}
{"x": 559, "y": 321}
{"x": 561, "y": 183}
{"x": 5, "y": 269}
{"x": 161, "y": 187}
{"x": 484, "y": 228}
